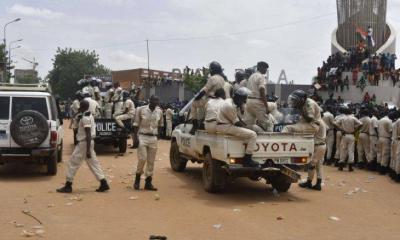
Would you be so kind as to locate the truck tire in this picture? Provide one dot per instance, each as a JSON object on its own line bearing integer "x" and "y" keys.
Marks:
{"x": 214, "y": 177}
{"x": 29, "y": 128}
{"x": 52, "y": 164}
{"x": 280, "y": 182}
{"x": 122, "y": 145}
{"x": 178, "y": 163}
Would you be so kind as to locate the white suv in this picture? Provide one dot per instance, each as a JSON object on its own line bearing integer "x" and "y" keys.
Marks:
{"x": 30, "y": 129}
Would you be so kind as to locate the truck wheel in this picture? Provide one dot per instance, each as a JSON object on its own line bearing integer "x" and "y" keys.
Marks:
{"x": 178, "y": 163}
{"x": 214, "y": 177}
{"x": 52, "y": 164}
{"x": 122, "y": 144}
{"x": 281, "y": 183}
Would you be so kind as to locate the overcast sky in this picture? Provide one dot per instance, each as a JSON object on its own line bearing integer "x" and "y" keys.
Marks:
{"x": 289, "y": 34}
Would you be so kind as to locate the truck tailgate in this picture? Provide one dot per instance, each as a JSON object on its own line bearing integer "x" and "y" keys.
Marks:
{"x": 275, "y": 145}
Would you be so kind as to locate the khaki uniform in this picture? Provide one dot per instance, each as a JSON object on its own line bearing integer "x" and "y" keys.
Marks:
{"x": 319, "y": 152}
{"x": 363, "y": 145}
{"x": 373, "y": 139}
{"x": 130, "y": 114}
{"x": 348, "y": 124}
{"x": 212, "y": 108}
{"x": 108, "y": 104}
{"x": 313, "y": 112}
{"x": 213, "y": 83}
{"x": 148, "y": 123}
{"x": 88, "y": 89}
{"x": 384, "y": 142}
{"x": 168, "y": 118}
{"x": 339, "y": 135}
{"x": 256, "y": 111}
{"x": 395, "y": 145}
{"x": 75, "y": 110}
{"x": 79, "y": 154}
{"x": 228, "y": 88}
{"x": 94, "y": 107}
{"x": 227, "y": 117}
{"x": 328, "y": 119}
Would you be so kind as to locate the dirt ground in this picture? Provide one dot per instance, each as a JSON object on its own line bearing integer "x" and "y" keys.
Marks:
{"x": 359, "y": 205}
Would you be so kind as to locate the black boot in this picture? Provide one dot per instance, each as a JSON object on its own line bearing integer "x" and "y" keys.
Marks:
{"x": 361, "y": 165}
{"x": 392, "y": 174}
{"x": 341, "y": 165}
{"x": 397, "y": 178}
{"x": 103, "y": 186}
{"x": 148, "y": 185}
{"x": 136, "y": 185}
{"x": 306, "y": 184}
{"x": 249, "y": 162}
{"x": 317, "y": 186}
{"x": 195, "y": 127}
{"x": 66, "y": 189}
{"x": 373, "y": 166}
{"x": 351, "y": 167}
{"x": 336, "y": 163}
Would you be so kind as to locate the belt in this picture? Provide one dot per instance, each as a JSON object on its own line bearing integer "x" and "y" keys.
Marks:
{"x": 149, "y": 134}
{"x": 223, "y": 123}
{"x": 253, "y": 98}
{"x": 211, "y": 120}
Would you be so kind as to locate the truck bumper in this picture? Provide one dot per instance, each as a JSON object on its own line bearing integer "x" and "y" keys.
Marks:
{"x": 18, "y": 154}
{"x": 263, "y": 172}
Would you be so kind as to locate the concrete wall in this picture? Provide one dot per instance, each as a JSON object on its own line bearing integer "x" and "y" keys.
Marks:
{"x": 169, "y": 92}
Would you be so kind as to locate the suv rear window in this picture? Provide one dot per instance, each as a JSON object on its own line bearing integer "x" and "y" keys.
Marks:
{"x": 4, "y": 108}
{"x": 29, "y": 103}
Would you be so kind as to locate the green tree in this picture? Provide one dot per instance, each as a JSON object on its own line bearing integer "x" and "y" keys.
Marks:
{"x": 71, "y": 65}
{"x": 3, "y": 65}
{"x": 195, "y": 82}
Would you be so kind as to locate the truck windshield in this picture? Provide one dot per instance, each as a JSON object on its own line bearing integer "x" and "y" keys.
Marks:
{"x": 29, "y": 103}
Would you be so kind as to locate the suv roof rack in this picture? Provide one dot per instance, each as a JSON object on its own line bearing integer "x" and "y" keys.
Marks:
{"x": 36, "y": 87}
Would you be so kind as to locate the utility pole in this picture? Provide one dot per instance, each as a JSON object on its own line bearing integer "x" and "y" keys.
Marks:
{"x": 148, "y": 60}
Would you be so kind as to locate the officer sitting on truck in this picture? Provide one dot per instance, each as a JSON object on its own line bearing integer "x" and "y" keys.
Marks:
{"x": 128, "y": 110}
{"x": 230, "y": 123}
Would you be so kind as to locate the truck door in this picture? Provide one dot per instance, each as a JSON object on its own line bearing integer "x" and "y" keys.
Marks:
{"x": 5, "y": 137}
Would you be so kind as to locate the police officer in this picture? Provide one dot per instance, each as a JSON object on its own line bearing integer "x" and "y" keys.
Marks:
{"x": 310, "y": 113}
{"x": 169, "y": 113}
{"x": 384, "y": 142}
{"x": 147, "y": 121}
{"x": 349, "y": 125}
{"x": 75, "y": 113}
{"x": 94, "y": 107}
{"x": 117, "y": 102}
{"x": 214, "y": 82}
{"x": 363, "y": 144}
{"x": 107, "y": 101}
{"x": 230, "y": 123}
{"x": 240, "y": 77}
{"x": 128, "y": 110}
{"x": 373, "y": 141}
{"x": 84, "y": 150}
{"x": 212, "y": 108}
{"x": 257, "y": 106}
{"x": 339, "y": 135}
{"x": 394, "y": 116}
{"x": 317, "y": 158}
{"x": 328, "y": 119}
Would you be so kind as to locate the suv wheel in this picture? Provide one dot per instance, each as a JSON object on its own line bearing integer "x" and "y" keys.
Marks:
{"x": 178, "y": 164}
{"x": 214, "y": 177}
{"x": 52, "y": 164}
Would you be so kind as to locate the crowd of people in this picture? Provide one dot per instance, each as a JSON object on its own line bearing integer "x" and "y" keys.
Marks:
{"x": 363, "y": 67}
{"x": 373, "y": 131}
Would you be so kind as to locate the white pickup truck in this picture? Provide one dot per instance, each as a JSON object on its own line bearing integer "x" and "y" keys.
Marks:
{"x": 279, "y": 155}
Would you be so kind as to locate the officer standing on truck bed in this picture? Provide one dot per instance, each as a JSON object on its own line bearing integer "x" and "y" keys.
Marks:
{"x": 84, "y": 150}
{"x": 148, "y": 120}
